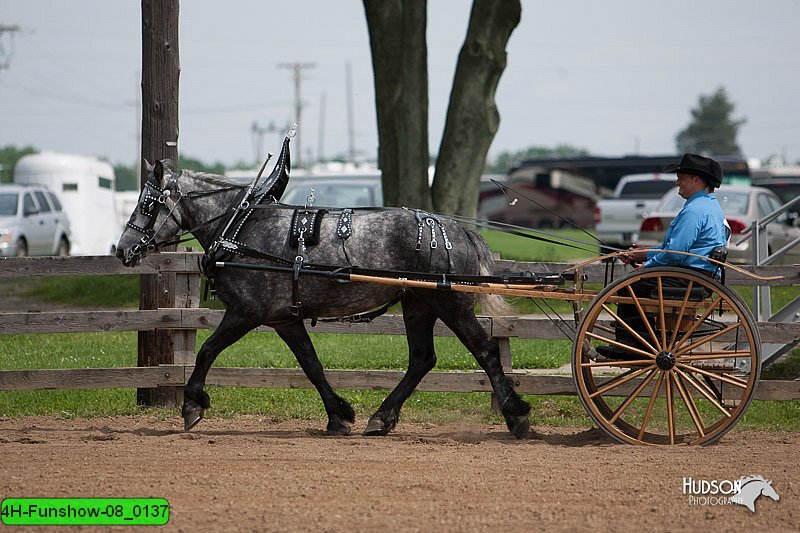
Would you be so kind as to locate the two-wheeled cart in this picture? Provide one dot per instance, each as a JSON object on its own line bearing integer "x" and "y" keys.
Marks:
{"x": 687, "y": 370}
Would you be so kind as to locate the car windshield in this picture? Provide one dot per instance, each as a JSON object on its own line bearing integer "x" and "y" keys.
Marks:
{"x": 644, "y": 190}
{"x": 8, "y": 204}
{"x": 733, "y": 203}
{"x": 332, "y": 194}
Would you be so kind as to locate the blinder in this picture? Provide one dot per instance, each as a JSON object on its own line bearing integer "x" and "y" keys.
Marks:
{"x": 154, "y": 201}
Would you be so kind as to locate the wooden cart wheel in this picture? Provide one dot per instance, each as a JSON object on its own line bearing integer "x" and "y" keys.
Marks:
{"x": 686, "y": 365}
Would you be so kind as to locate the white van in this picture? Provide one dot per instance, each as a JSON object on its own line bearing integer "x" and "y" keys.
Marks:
{"x": 85, "y": 186}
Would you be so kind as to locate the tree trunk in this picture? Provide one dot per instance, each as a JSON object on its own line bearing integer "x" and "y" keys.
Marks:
{"x": 400, "y": 64}
{"x": 472, "y": 116}
{"x": 160, "y": 74}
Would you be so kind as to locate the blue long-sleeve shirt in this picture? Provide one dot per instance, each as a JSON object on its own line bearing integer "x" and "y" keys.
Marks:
{"x": 698, "y": 228}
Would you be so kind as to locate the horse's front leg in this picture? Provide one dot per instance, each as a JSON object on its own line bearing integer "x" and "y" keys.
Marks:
{"x": 340, "y": 412}
{"x": 419, "y": 321}
{"x": 195, "y": 400}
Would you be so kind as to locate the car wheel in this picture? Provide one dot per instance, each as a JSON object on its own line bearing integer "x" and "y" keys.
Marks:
{"x": 22, "y": 248}
{"x": 63, "y": 248}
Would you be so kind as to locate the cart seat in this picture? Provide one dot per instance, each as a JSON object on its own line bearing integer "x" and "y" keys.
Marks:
{"x": 697, "y": 294}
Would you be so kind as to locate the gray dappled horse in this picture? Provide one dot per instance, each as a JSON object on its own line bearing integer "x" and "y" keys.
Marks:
{"x": 172, "y": 203}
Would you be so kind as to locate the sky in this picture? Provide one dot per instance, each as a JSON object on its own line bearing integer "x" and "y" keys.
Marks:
{"x": 615, "y": 77}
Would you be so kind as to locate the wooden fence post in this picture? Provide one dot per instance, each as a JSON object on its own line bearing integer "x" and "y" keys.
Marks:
{"x": 187, "y": 296}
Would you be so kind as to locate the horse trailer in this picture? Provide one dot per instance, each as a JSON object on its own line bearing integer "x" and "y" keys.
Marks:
{"x": 85, "y": 186}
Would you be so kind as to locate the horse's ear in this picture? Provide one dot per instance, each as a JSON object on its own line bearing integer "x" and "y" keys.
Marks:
{"x": 158, "y": 171}
{"x": 164, "y": 166}
{"x": 147, "y": 165}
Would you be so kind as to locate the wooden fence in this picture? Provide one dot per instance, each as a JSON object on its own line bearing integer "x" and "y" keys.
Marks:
{"x": 186, "y": 317}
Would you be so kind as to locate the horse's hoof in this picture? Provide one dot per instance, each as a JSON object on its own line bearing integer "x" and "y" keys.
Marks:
{"x": 520, "y": 427}
{"x": 339, "y": 428}
{"x": 376, "y": 426}
{"x": 191, "y": 417}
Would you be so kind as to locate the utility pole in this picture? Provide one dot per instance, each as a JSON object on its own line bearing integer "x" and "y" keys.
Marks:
{"x": 351, "y": 138}
{"x": 321, "y": 133}
{"x": 160, "y": 77}
{"x": 5, "y": 56}
{"x": 297, "y": 77}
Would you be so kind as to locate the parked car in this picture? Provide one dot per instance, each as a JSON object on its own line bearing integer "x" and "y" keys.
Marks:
{"x": 32, "y": 222}
{"x": 335, "y": 191}
{"x": 85, "y": 186}
{"x": 741, "y": 205}
{"x": 783, "y": 181}
{"x": 617, "y": 219}
{"x": 542, "y": 199}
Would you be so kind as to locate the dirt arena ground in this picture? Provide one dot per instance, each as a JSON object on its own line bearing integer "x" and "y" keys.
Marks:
{"x": 249, "y": 474}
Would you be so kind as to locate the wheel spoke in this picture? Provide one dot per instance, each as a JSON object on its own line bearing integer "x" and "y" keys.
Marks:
{"x": 642, "y": 314}
{"x": 690, "y": 406}
{"x": 708, "y": 338}
{"x": 670, "y": 413}
{"x": 705, "y": 356}
{"x": 632, "y": 331}
{"x": 636, "y": 362}
{"x": 605, "y": 329}
{"x": 614, "y": 342}
{"x": 616, "y": 381}
{"x": 680, "y": 315}
{"x": 635, "y": 394}
{"x": 707, "y": 393}
{"x": 727, "y": 378}
{"x": 661, "y": 316}
{"x": 697, "y": 322}
{"x": 650, "y": 405}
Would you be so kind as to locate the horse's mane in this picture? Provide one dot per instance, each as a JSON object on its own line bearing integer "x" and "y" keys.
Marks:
{"x": 214, "y": 179}
{"x": 748, "y": 479}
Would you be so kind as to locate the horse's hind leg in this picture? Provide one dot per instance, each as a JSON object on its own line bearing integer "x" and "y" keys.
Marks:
{"x": 419, "y": 321}
{"x": 340, "y": 413}
{"x": 195, "y": 400}
{"x": 456, "y": 311}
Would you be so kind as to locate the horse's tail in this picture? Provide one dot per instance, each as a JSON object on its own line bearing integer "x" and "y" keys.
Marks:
{"x": 491, "y": 304}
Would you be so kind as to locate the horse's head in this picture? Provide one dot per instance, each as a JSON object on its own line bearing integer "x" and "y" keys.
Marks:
{"x": 768, "y": 490}
{"x": 154, "y": 219}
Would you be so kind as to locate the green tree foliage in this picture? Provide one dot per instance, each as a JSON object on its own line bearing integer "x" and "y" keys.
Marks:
{"x": 127, "y": 180}
{"x": 199, "y": 166}
{"x": 505, "y": 160}
{"x": 712, "y": 129}
{"x": 9, "y": 155}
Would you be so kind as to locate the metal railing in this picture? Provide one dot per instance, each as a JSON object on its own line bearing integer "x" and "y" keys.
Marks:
{"x": 762, "y": 300}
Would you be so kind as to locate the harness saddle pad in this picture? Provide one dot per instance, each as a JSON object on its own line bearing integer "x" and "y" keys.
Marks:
{"x": 306, "y": 222}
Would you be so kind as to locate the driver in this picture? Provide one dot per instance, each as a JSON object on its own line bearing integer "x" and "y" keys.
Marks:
{"x": 698, "y": 228}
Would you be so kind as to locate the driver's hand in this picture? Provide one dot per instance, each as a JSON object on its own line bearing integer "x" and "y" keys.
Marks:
{"x": 633, "y": 256}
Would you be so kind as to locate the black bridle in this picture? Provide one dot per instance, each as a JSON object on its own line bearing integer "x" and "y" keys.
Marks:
{"x": 153, "y": 202}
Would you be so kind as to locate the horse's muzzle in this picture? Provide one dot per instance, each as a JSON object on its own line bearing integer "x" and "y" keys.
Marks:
{"x": 130, "y": 257}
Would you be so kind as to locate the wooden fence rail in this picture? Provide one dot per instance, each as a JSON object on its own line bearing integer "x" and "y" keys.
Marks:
{"x": 186, "y": 318}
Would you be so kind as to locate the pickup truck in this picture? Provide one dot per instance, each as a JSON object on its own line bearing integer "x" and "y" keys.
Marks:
{"x": 617, "y": 219}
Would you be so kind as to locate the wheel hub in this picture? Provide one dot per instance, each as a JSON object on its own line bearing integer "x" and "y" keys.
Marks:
{"x": 665, "y": 360}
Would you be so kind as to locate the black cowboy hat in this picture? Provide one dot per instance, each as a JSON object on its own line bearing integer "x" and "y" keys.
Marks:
{"x": 697, "y": 165}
